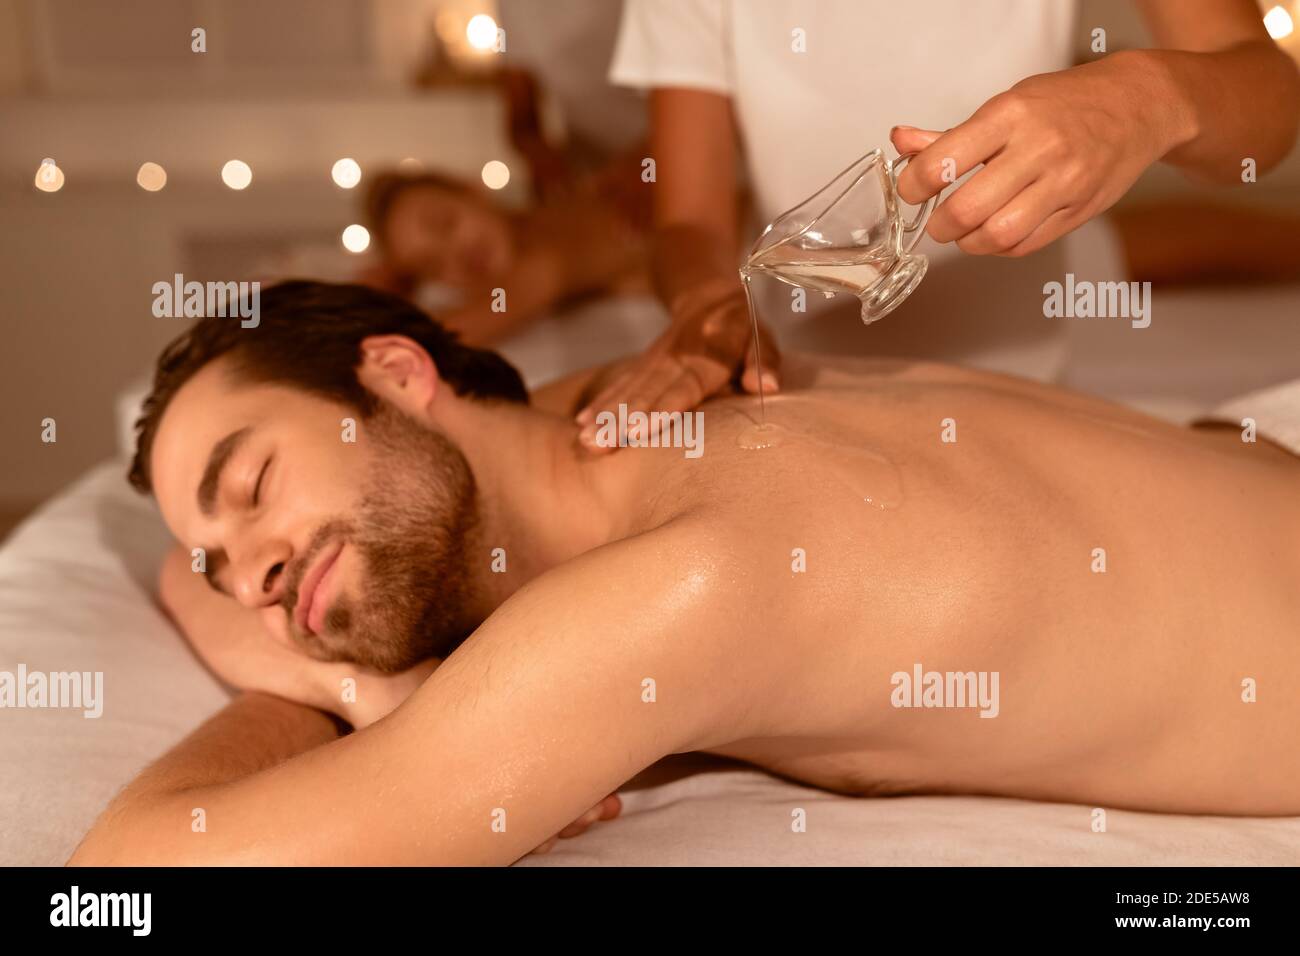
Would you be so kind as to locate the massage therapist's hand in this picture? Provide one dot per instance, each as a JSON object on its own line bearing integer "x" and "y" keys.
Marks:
{"x": 232, "y": 640}
{"x": 1057, "y": 149}
{"x": 709, "y": 343}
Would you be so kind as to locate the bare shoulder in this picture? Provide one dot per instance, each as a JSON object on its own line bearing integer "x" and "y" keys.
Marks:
{"x": 566, "y": 395}
{"x": 649, "y": 616}
{"x": 581, "y": 680}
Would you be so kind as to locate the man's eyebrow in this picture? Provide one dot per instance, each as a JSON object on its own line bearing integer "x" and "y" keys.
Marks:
{"x": 221, "y": 453}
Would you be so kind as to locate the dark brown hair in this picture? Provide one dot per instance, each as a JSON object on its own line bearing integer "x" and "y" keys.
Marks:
{"x": 309, "y": 335}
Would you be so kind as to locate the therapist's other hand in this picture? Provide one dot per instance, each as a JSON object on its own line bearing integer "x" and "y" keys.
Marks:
{"x": 709, "y": 344}
{"x": 1057, "y": 149}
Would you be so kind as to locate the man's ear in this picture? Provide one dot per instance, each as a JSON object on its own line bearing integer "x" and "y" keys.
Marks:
{"x": 399, "y": 371}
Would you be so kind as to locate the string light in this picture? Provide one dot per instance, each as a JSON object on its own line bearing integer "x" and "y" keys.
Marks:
{"x": 346, "y": 173}
{"x": 236, "y": 174}
{"x": 49, "y": 178}
{"x": 151, "y": 177}
{"x": 356, "y": 238}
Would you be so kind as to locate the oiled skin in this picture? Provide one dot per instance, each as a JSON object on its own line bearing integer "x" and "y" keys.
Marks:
{"x": 1122, "y": 688}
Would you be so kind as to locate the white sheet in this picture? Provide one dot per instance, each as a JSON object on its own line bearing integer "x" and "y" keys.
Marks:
{"x": 731, "y": 815}
{"x": 75, "y": 594}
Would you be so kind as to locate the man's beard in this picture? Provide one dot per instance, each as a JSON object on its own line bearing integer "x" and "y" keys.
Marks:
{"x": 418, "y": 518}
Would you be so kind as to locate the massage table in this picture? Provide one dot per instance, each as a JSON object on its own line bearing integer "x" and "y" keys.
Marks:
{"x": 77, "y": 592}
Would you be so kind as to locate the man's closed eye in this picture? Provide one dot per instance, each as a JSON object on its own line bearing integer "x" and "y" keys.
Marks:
{"x": 257, "y": 488}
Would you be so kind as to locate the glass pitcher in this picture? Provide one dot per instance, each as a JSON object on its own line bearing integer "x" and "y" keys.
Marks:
{"x": 849, "y": 236}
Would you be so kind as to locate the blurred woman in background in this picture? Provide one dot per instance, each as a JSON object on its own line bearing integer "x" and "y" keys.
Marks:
{"x": 432, "y": 229}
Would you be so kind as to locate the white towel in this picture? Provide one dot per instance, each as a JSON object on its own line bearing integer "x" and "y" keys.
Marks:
{"x": 1275, "y": 411}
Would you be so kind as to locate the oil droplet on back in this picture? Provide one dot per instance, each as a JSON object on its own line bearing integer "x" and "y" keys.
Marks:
{"x": 867, "y": 475}
{"x": 765, "y": 435}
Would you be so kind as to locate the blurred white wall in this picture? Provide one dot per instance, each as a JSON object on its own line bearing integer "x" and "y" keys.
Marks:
{"x": 13, "y": 60}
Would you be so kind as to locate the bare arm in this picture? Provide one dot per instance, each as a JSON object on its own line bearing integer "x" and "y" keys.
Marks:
{"x": 1059, "y": 148}
{"x": 1241, "y": 91}
{"x": 254, "y": 732}
{"x": 694, "y": 267}
{"x": 695, "y": 219}
{"x": 532, "y": 721}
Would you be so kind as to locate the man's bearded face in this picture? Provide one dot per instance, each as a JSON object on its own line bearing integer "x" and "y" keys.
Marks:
{"x": 350, "y": 550}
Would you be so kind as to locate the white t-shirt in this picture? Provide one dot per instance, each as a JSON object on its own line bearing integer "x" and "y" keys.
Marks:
{"x": 815, "y": 84}
{"x": 865, "y": 67}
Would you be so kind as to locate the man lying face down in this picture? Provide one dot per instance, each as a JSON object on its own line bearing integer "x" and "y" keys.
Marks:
{"x": 931, "y": 580}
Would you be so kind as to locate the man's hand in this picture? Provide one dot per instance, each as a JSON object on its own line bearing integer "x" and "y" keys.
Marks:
{"x": 709, "y": 343}
{"x": 607, "y": 809}
{"x": 1057, "y": 149}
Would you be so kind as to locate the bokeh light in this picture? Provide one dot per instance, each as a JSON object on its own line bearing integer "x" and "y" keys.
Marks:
{"x": 356, "y": 238}
{"x": 495, "y": 174}
{"x": 151, "y": 177}
{"x": 346, "y": 173}
{"x": 481, "y": 32}
{"x": 236, "y": 174}
{"x": 49, "y": 178}
{"x": 1278, "y": 23}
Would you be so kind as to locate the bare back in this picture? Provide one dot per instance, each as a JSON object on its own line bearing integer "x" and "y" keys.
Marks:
{"x": 1121, "y": 576}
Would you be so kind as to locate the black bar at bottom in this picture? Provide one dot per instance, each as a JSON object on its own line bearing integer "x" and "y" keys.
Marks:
{"x": 334, "y": 905}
